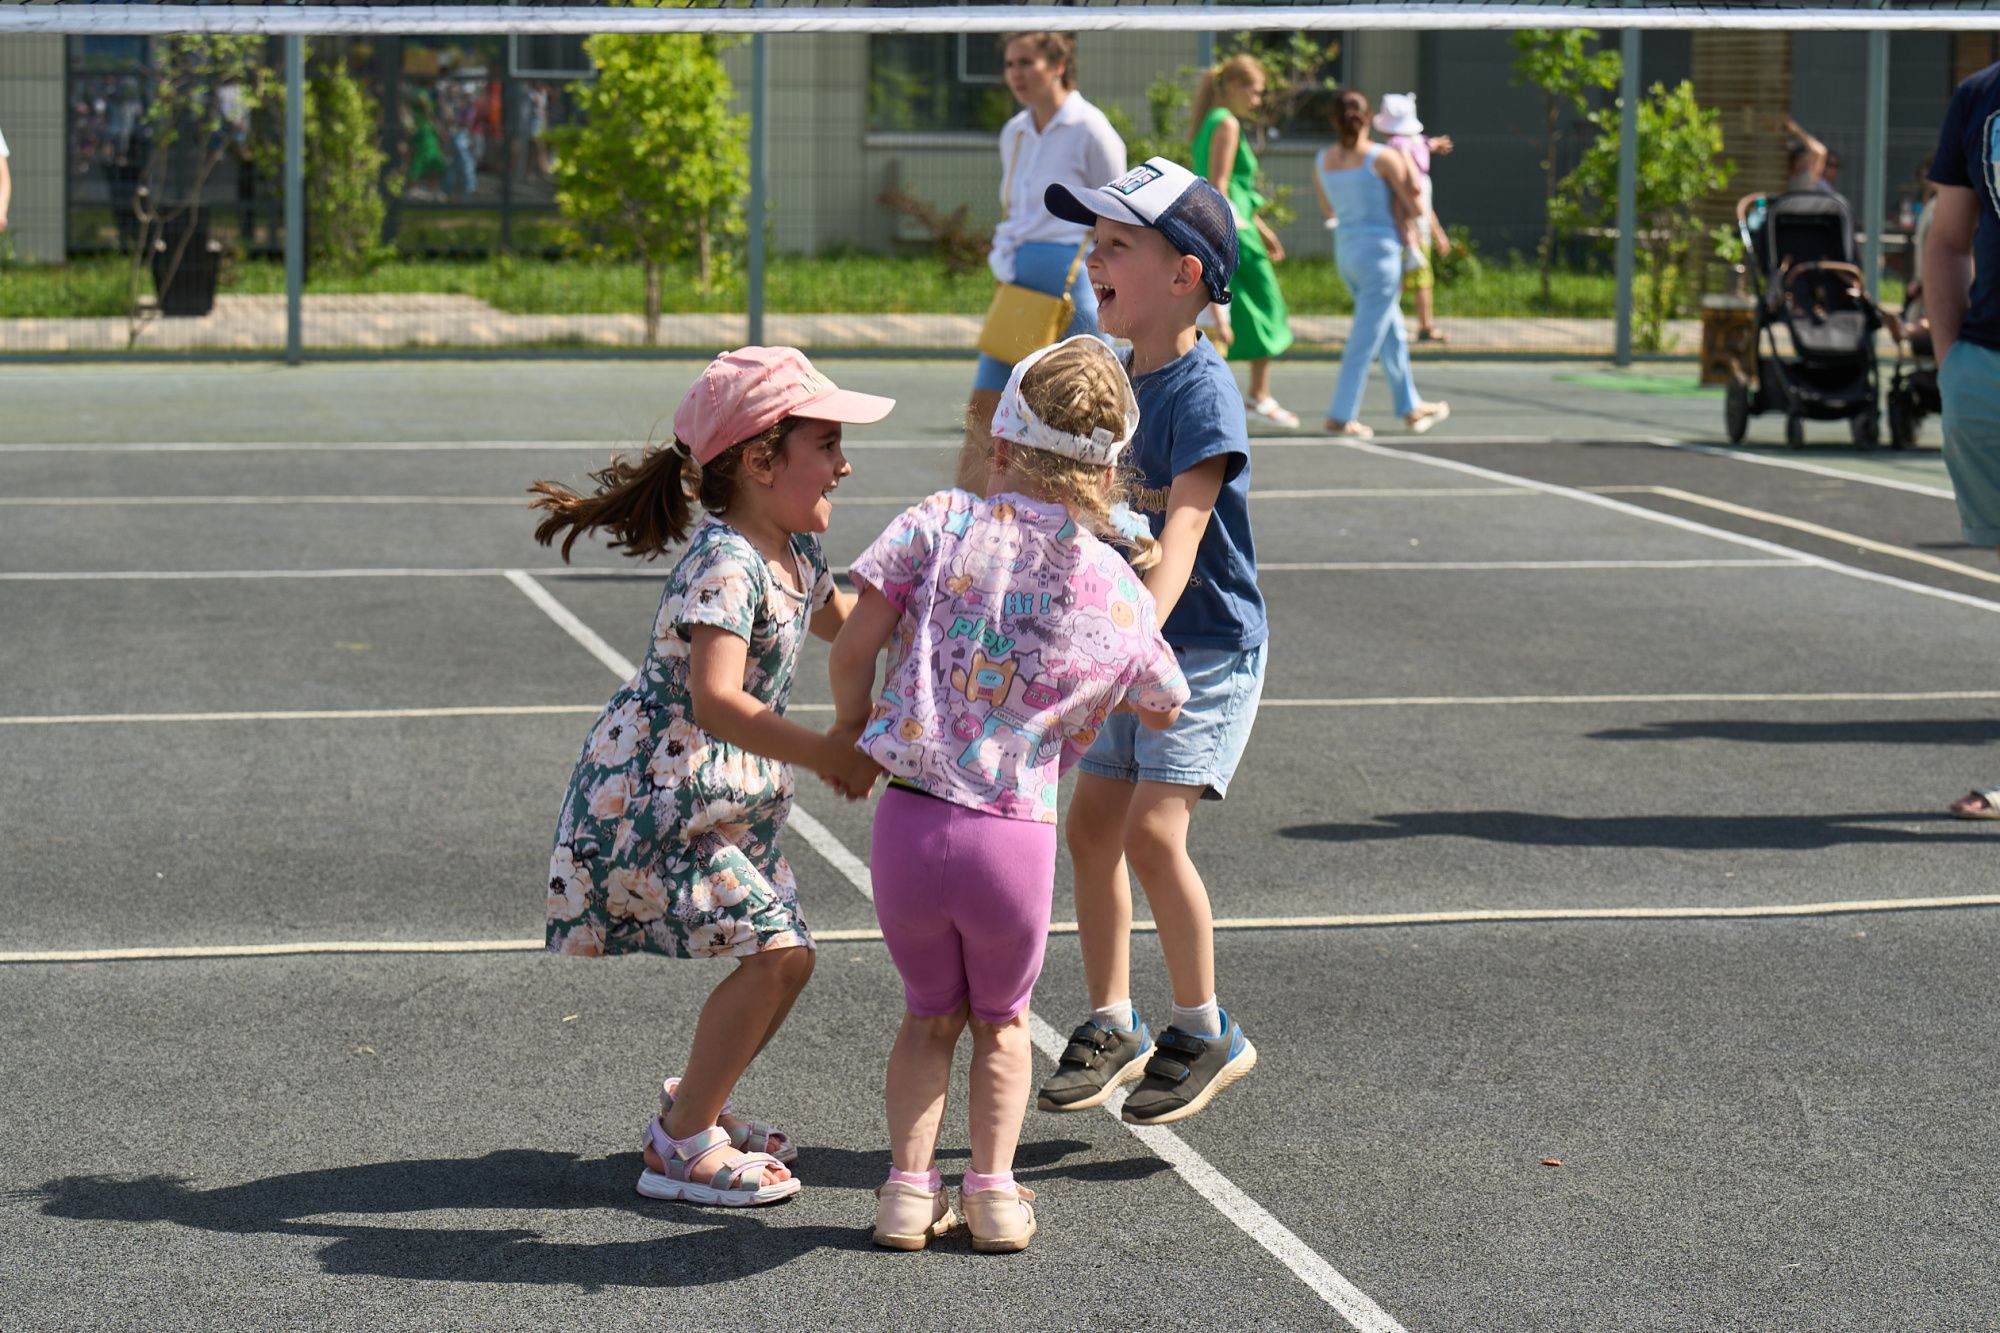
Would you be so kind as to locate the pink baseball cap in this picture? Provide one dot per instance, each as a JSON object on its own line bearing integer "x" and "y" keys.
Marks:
{"x": 746, "y": 392}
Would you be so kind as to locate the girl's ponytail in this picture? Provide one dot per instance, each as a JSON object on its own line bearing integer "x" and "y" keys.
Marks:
{"x": 1203, "y": 103}
{"x": 647, "y": 506}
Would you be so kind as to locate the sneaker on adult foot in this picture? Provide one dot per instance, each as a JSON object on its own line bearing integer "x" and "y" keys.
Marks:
{"x": 1097, "y": 1062}
{"x": 1186, "y": 1072}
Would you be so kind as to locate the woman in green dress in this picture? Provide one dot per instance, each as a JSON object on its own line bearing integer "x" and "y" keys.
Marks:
{"x": 1255, "y": 326}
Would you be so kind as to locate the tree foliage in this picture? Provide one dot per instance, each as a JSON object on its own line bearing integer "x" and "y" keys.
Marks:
{"x": 1562, "y": 63}
{"x": 206, "y": 90}
{"x": 1680, "y": 161}
{"x": 658, "y": 167}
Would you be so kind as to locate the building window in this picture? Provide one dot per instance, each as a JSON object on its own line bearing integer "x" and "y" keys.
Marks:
{"x": 936, "y": 82}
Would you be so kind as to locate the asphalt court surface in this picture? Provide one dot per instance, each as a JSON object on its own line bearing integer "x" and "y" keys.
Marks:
{"x": 1538, "y": 691}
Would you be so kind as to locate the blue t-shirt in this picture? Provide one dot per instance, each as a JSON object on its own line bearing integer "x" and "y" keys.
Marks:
{"x": 1189, "y": 412}
{"x": 1968, "y": 155}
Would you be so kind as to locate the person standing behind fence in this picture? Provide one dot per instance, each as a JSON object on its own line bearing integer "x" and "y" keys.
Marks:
{"x": 6, "y": 184}
{"x": 1405, "y": 133}
{"x": 1057, "y": 139}
{"x": 1255, "y": 326}
{"x": 1372, "y": 192}
{"x": 1961, "y": 284}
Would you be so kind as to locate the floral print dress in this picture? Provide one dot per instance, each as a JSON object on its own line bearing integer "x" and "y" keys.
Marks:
{"x": 668, "y": 839}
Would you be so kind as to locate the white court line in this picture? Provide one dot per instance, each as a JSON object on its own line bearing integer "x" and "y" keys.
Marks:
{"x": 1475, "y": 566}
{"x": 1684, "y": 524}
{"x": 576, "y": 629}
{"x": 305, "y": 715}
{"x": 1798, "y": 465}
{"x": 1383, "y": 701}
{"x": 1358, "y": 921}
{"x": 119, "y": 501}
{"x": 1230, "y": 1201}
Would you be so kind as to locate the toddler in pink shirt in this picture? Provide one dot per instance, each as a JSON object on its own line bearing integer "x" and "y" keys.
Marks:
{"x": 1013, "y": 630}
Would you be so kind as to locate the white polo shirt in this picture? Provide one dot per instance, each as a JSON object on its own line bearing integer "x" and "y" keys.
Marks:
{"x": 1077, "y": 147}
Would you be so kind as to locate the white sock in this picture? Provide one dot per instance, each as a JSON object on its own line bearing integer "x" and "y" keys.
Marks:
{"x": 1117, "y": 1017}
{"x": 1204, "y": 1020}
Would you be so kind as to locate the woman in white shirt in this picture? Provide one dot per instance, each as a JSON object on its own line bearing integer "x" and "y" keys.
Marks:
{"x": 1057, "y": 139}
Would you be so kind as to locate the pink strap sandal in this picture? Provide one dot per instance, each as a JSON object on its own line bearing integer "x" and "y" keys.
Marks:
{"x": 745, "y": 1183}
{"x": 747, "y": 1135}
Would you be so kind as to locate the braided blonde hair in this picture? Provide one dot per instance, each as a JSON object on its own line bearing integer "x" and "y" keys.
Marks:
{"x": 1077, "y": 390}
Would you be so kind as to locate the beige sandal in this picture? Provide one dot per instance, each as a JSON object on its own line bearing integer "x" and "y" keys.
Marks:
{"x": 1352, "y": 430}
{"x": 1001, "y": 1220}
{"x": 908, "y": 1217}
{"x": 1426, "y": 416}
{"x": 1979, "y": 803}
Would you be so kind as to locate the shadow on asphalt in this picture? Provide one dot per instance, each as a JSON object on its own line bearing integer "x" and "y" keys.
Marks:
{"x": 1928, "y": 731}
{"x": 715, "y": 1245}
{"x": 1676, "y": 832}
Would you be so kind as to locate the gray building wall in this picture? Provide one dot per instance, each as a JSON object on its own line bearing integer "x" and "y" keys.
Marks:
{"x": 32, "y": 80}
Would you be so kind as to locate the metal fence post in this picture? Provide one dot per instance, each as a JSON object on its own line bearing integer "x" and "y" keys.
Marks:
{"x": 1628, "y": 191}
{"x": 760, "y": 129}
{"x": 1875, "y": 166}
{"x": 295, "y": 196}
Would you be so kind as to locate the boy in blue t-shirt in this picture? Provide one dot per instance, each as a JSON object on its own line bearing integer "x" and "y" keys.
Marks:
{"x": 1165, "y": 247}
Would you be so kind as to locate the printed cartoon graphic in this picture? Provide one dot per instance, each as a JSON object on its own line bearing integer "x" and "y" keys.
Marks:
{"x": 1003, "y": 753}
{"x": 986, "y": 682}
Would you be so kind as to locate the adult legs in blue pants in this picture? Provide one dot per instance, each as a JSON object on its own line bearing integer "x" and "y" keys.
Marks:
{"x": 1373, "y": 272}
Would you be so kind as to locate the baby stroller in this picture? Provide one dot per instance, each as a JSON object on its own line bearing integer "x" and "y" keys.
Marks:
{"x": 1799, "y": 248}
{"x": 1913, "y": 386}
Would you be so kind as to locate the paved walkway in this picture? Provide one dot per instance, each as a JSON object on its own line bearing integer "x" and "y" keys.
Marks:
{"x": 391, "y": 321}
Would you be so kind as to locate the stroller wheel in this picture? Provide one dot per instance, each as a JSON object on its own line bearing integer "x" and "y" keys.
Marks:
{"x": 1736, "y": 411}
{"x": 1795, "y": 431}
{"x": 1866, "y": 429}
{"x": 1902, "y": 423}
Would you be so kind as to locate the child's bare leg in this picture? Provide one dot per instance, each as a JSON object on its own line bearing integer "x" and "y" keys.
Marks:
{"x": 1103, "y": 890}
{"x": 750, "y": 1000}
{"x": 1260, "y": 380}
{"x": 1156, "y": 828}
{"x": 1424, "y": 308}
{"x": 919, "y": 1073}
{"x": 1003, "y": 1070}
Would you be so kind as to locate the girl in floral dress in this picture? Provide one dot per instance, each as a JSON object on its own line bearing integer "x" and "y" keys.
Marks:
{"x": 667, "y": 842}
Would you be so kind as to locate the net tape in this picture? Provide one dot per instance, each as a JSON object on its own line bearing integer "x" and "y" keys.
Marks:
{"x": 120, "y": 17}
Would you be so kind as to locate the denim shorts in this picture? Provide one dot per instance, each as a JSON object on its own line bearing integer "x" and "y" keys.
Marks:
{"x": 1205, "y": 743}
{"x": 1969, "y": 383}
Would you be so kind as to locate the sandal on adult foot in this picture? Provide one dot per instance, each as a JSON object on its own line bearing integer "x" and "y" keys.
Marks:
{"x": 1432, "y": 335}
{"x": 1000, "y": 1220}
{"x": 1979, "y": 803}
{"x": 744, "y": 1135}
{"x": 1269, "y": 410}
{"x": 908, "y": 1217}
{"x": 1426, "y": 416}
{"x": 1352, "y": 430}
{"x": 745, "y": 1183}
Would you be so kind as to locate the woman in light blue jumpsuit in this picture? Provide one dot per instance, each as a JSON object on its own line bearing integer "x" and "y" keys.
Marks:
{"x": 1371, "y": 191}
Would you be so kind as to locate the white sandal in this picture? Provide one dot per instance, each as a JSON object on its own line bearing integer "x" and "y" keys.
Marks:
{"x": 745, "y": 1183}
{"x": 1426, "y": 416}
{"x": 1349, "y": 430}
{"x": 1991, "y": 810}
{"x": 1269, "y": 410}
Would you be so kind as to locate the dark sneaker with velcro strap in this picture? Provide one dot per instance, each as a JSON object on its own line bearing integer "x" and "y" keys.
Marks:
{"x": 1186, "y": 1071}
{"x": 1097, "y": 1062}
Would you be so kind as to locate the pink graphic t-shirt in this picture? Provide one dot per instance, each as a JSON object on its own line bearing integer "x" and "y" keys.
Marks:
{"x": 1020, "y": 631}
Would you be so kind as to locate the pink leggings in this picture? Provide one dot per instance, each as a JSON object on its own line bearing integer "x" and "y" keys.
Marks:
{"x": 963, "y": 897}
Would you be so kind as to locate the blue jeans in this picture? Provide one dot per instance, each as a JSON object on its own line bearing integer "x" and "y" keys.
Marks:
{"x": 1041, "y": 265}
{"x": 1969, "y": 384}
{"x": 1371, "y": 264}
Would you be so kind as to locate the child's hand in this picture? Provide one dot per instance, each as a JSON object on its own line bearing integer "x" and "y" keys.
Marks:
{"x": 849, "y": 771}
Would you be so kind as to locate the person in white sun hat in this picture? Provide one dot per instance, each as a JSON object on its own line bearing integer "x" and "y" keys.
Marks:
{"x": 1397, "y": 122}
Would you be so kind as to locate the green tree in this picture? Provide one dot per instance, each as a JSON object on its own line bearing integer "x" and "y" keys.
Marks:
{"x": 1560, "y": 63}
{"x": 1680, "y": 161}
{"x": 343, "y": 171}
{"x": 658, "y": 168}
{"x": 205, "y": 92}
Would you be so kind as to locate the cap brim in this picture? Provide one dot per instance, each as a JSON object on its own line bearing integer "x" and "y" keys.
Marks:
{"x": 847, "y": 407}
{"x": 1086, "y": 206}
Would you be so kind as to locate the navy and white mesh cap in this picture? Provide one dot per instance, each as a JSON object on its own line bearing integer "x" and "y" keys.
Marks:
{"x": 1173, "y": 201}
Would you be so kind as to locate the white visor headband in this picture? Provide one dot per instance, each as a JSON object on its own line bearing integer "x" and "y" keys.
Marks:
{"x": 1015, "y": 420}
